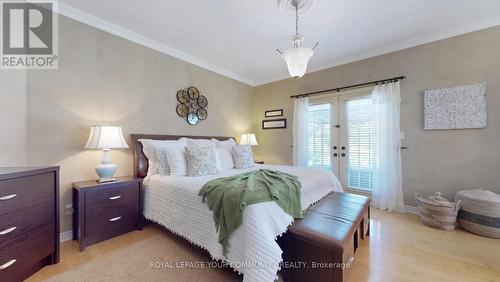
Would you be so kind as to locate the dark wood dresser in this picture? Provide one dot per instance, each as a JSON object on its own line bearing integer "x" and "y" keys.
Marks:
{"x": 29, "y": 221}
{"x": 103, "y": 211}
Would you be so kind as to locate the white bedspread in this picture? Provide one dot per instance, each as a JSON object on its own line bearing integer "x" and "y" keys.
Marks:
{"x": 173, "y": 202}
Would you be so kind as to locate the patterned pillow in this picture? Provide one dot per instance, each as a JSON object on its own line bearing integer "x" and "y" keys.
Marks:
{"x": 243, "y": 157}
{"x": 172, "y": 160}
{"x": 201, "y": 161}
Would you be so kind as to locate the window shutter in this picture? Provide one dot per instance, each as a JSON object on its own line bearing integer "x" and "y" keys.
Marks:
{"x": 360, "y": 143}
{"x": 319, "y": 136}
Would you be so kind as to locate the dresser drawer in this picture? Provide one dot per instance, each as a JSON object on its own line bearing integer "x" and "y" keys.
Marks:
{"x": 110, "y": 197}
{"x": 14, "y": 224}
{"x": 106, "y": 222}
{"x": 22, "y": 192}
{"x": 19, "y": 257}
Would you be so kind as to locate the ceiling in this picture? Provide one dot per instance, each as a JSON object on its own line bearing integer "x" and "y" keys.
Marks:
{"x": 238, "y": 38}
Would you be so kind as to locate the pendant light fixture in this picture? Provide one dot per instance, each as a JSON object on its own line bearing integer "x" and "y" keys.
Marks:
{"x": 296, "y": 57}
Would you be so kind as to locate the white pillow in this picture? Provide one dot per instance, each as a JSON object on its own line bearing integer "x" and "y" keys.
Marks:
{"x": 226, "y": 144}
{"x": 150, "y": 148}
{"x": 243, "y": 157}
{"x": 224, "y": 159}
{"x": 200, "y": 143}
{"x": 201, "y": 161}
{"x": 173, "y": 160}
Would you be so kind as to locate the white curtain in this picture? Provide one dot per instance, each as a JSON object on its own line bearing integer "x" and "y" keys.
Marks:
{"x": 387, "y": 192}
{"x": 300, "y": 131}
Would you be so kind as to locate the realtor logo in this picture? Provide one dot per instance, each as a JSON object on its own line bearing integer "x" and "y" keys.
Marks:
{"x": 29, "y": 35}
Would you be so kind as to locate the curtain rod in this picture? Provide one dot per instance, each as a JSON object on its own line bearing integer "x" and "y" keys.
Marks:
{"x": 394, "y": 79}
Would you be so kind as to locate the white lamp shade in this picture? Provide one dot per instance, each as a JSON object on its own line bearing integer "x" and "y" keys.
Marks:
{"x": 106, "y": 137}
{"x": 248, "y": 139}
{"x": 296, "y": 59}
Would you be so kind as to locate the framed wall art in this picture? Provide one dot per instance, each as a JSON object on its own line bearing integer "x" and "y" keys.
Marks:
{"x": 273, "y": 113}
{"x": 455, "y": 108}
{"x": 274, "y": 123}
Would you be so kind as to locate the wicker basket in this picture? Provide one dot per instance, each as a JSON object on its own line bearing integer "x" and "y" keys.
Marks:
{"x": 437, "y": 212}
{"x": 480, "y": 213}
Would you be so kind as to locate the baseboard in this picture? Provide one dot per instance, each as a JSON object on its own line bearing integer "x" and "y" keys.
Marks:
{"x": 66, "y": 236}
{"x": 411, "y": 209}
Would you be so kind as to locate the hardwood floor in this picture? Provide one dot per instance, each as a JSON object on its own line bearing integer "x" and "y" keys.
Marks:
{"x": 399, "y": 248}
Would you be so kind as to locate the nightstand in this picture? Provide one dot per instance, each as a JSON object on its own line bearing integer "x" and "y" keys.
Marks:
{"x": 259, "y": 162}
{"x": 103, "y": 211}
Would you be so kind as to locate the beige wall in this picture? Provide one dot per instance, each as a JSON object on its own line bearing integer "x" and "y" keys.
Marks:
{"x": 444, "y": 160}
{"x": 13, "y": 97}
{"x": 106, "y": 79}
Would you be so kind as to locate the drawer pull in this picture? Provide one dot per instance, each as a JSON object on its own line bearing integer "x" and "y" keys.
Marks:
{"x": 8, "y": 197}
{"x": 115, "y": 198}
{"x": 7, "y": 231}
{"x": 2, "y": 267}
{"x": 115, "y": 218}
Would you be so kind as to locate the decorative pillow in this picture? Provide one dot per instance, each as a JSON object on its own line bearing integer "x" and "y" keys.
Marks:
{"x": 173, "y": 160}
{"x": 201, "y": 161}
{"x": 224, "y": 159}
{"x": 226, "y": 144}
{"x": 150, "y": 148}
{"x": 200, "y": 143}
{"x": 243, "y": 157}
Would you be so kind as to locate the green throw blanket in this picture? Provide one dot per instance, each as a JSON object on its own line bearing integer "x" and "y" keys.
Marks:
{"x": 227, "y": 197}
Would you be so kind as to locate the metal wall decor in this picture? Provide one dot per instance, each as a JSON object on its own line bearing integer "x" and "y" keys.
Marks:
{"x": 192, "y": 105}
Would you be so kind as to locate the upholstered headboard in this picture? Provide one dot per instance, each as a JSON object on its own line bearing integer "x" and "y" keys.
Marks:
{"x": 140, "y": 160}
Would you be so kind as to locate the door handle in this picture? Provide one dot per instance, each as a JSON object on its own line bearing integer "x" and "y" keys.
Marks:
{"x": 115, "y": 218}
{"x": 335, "y": 154}
{"x": 343, "y": 148}
{"x": 335, "y": 147}
{"x": 343, "y": 155}
{"x": 115, "y": 198}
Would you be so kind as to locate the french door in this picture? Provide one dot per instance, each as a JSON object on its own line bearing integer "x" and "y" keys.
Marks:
{"x": 341, "y": 137}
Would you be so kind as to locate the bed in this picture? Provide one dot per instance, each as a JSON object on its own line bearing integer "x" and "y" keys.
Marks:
{"x": 173, "y": 202}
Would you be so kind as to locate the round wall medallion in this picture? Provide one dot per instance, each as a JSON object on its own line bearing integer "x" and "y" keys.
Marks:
{"x": 182, "y": 110}
{"x": 193, "y": 92}
{"x": 182, "y": 96}
{"x": 192, "y": 105}
{"x": 203, "y": 101}
{"x": 202, "y": 113}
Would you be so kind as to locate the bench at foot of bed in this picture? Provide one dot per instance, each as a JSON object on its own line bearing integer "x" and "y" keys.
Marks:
{"x": 322, "y": 245}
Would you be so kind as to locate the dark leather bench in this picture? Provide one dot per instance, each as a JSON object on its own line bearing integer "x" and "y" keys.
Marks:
{"x": 321, "y": 246}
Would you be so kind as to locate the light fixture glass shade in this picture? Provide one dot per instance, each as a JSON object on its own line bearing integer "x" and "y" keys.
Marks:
{"x": 248, "y": 139}
{"x": 296, "y": 59}
{"x": 106, "y": 137}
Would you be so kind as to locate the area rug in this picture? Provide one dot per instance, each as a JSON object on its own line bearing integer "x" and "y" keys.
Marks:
{"x": 159, "y": 258}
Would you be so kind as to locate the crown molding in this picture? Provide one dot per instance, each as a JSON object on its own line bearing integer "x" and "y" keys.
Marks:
{"x": 96, "y": 22}
{"x": 83, "y": 17}
{"x": 429, "y": 38}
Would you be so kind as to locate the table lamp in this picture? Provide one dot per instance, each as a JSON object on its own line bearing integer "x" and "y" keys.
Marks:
{"x": 248, "y": 139}
{"x": 106, "y": 138}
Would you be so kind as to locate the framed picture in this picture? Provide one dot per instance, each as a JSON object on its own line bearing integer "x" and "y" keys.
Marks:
{"x": 455, "y": 108}
{"x": 274, "y": 123}
{"x": 273, "y": 113}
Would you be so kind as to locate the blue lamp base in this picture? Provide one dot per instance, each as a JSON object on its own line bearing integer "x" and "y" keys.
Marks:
{"x": 106, "y": 170}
